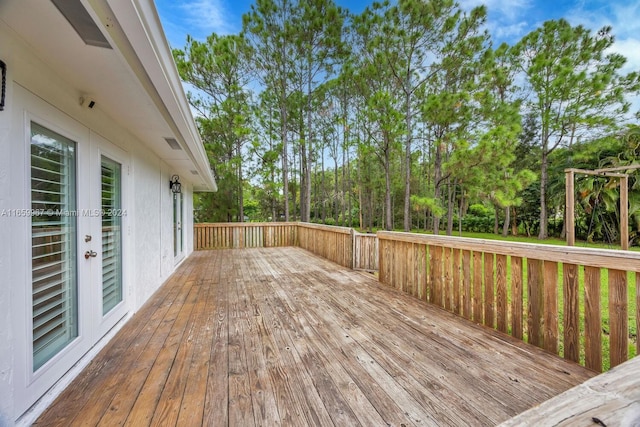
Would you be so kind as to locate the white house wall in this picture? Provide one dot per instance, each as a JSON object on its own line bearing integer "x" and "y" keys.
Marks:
{"x": 149, "y": 237}
{"x": 7, "y": 274}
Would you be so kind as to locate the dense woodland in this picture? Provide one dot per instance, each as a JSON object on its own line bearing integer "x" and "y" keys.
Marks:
{"x": 408, "y": 116}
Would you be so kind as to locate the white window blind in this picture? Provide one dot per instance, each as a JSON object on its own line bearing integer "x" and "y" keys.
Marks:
{"x": 53, "y": 242}
{"x": 111, "y": 179}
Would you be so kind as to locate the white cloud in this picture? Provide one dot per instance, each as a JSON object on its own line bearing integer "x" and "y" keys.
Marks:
{"x": 630, "y": 49}
{"x": 507, "y": 19}
{"x": 510, "y": 10}
{"x": 623, "y": 18}
{"x": 511, "y": 32}
{"x": 625, "y": 23}
{"x": 627, "y": 20}
{"x": 206, "y": 17}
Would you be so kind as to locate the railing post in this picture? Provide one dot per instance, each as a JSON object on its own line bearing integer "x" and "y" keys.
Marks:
{"x": 353, "y": 249}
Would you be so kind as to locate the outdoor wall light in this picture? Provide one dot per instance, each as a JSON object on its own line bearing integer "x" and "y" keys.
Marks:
{"x": 3, "y": 67}
{"x": 174, "y": 184}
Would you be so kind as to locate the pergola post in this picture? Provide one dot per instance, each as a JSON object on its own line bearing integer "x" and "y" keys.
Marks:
{"x": 569, "y": 211}
{"x": 624, "y": 200}
{"x": 624, "y": 212}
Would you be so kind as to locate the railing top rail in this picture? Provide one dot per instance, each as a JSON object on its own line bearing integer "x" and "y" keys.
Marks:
{"x": 604, "y": 258}
{"x": 332, "y": 228}
{"x": 243, "y": 224}
{"x": 357, "y": 233}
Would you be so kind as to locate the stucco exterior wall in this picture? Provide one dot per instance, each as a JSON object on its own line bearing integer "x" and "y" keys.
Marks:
{"x": 6, "y": 259}
{"x": 149, "y": 228}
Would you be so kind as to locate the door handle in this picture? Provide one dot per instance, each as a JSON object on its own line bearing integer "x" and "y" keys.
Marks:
{"x": 90, "y": 254}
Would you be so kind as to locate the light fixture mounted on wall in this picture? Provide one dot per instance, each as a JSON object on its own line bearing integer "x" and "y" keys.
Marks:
{"x": 174, "y": 184}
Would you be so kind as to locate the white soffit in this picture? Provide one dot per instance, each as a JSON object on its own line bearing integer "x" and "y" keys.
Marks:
{"x": 135, "y": 82}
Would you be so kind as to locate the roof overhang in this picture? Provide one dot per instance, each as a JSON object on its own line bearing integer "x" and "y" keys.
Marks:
{"x": 135, "y": 81}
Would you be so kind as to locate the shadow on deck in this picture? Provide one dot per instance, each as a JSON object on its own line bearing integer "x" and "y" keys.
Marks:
{"x": 279, "y": 336}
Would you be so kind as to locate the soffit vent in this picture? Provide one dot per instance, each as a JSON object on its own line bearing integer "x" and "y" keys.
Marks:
{"x": 81, "y": 21}
{"x": 173, "y": 143}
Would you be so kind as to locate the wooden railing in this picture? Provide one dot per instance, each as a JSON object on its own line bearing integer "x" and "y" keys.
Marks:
{"x": 365, "y": 252}
{"x": 244, "y": 235}
{"x": 333, "y": 243}
{"x": 514, "y": 288}
{"x": 329, "y": 242}
{"x": 568, "y": 300}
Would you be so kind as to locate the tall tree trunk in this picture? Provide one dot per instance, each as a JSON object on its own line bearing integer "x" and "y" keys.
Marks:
{"x": 285, "y": 161}
{"x": 294, "y": 194}
{"x": 507, "y": 220}
{"x": 388, "y": 224}
{"x": 450, "y": 205}
{"x": 437, "y": 173}
{"x": 303, "y": 180}
{"x": 274, "y": 214}
{"x": 514, "y": 223}
{"x": 343, "y": 203}
{"x": 324, "y": 188}
{"x": 316, "y": 194}
{"x": 336, "y": 211}
{"x": 407, "y": 168}
{"x": 543, "y": 233}
{"x": 240, "y": 183}
{"x": 349, "y": 186}
{"x": 371, "y": 211}
{"x": 361, "y": 205}
{"x": 460, "y": 215}
{"x": 305, "y": 190}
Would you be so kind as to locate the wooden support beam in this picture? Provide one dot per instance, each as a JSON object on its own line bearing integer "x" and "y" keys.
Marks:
{"x": 624, "y": 213}
{"x": 570, "y": 208}
{"x": 619, "y": 168}
{"x": 600, "y": 172}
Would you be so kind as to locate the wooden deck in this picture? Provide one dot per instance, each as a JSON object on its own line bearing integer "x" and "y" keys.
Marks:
{"x": 613, "y": 398}
{"x": 277, "y": 336}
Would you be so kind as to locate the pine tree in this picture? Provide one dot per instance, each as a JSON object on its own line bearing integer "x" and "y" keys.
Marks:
{"x": 576, "y": 89}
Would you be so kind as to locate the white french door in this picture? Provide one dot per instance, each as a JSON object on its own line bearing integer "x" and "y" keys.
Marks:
{"x": 108, "y": 233}
{"x": 77, "y": 287}
{"x": 54, "y": 267}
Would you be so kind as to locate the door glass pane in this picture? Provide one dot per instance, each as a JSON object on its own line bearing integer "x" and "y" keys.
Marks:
{"x": 111, "y": 234}
{"x": 53, "y": 243}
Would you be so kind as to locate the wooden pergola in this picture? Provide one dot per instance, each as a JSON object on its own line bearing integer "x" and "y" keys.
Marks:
{"x": 624, "y": 200}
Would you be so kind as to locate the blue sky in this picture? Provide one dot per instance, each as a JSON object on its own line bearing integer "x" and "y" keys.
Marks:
{"x": 508, "y": 20}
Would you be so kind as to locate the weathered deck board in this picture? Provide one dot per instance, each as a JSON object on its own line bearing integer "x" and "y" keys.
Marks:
{"x": 277, "y": 336}
{"x": 613, "y": 398}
